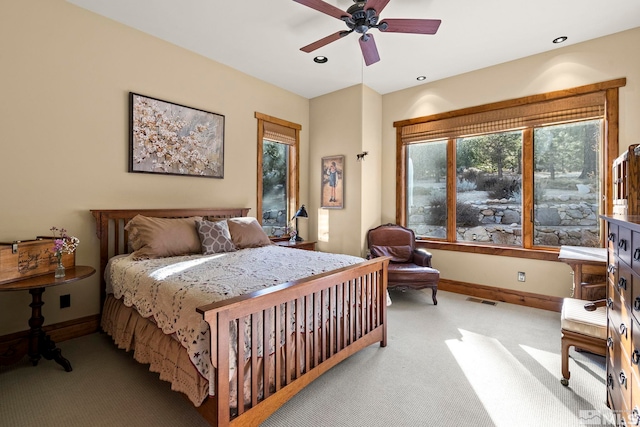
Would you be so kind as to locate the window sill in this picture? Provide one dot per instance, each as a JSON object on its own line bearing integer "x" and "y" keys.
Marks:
{"x": 539, "y": 254}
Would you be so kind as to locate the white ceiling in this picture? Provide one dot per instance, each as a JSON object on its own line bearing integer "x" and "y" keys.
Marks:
{"x": 263, "y": 38}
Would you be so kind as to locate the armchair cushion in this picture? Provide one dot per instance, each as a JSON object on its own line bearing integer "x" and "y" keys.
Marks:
{"x": 397, "y": 253}
{"x": 412, "y": 274}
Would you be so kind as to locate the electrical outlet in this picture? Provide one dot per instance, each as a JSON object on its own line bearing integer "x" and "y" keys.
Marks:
{"x": 65, "y": 301}
{"x": 521, "y": 276}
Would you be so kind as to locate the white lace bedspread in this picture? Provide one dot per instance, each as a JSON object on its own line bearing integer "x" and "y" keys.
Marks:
{"x": 169, "y": 289}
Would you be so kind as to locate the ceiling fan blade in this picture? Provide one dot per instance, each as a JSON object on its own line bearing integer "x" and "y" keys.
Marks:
{"x": 417, "y": 26}
{"x": 324, "y": 41}
{"x": 376, "y": 5}
{"x": 369, "y": 49}
{"x": 324, "y": 7}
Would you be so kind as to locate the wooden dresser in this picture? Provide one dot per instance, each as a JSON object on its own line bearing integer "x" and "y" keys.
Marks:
{"x": 623, "y": 313}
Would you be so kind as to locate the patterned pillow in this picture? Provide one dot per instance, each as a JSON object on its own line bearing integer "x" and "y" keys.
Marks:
{"x": 214, "y": 237}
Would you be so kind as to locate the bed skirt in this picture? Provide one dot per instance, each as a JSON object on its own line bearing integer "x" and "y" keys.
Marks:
{"x": 163, "y": 354}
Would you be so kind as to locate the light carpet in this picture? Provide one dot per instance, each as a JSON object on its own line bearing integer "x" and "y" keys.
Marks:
{"x": 455, "y": 364}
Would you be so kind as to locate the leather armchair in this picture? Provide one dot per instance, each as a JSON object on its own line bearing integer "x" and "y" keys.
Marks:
{"x": 409, "y": 267}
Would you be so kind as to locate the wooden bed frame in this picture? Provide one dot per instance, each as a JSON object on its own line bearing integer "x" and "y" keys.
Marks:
{"x": 357, "y": 293}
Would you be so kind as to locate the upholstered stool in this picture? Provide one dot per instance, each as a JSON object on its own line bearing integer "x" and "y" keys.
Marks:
{"x": 583, "y": 325}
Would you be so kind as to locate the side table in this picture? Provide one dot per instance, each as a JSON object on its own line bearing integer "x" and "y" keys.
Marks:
{"x": 40, "y": 344}
{"x": 589, "y": 267}
{"x": 308, "y": 246}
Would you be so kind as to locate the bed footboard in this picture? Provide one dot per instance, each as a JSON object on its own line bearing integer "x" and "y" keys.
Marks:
{"x": 310, "y": 325}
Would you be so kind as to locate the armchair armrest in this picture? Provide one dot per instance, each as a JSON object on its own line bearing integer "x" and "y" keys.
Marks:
{"x": 422, "y": 257}
{"x": 593, "y": 305}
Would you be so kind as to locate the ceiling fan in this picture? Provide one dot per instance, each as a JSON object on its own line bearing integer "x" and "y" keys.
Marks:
{"x": 361, "y": 17}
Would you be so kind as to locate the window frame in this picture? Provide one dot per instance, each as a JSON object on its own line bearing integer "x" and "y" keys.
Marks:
{"x": 609, "y": 90}
{"x": 293, "y": 186}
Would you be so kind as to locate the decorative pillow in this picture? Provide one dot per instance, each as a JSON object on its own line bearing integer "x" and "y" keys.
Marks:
{"x": 152, "y": 237}
{"x": 397, "y": 253}
{"x": 214, "y": 237}
{"x": 246, "y": 232}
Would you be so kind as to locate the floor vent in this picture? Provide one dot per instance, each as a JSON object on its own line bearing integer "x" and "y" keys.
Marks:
{"x": 481, "y": 301}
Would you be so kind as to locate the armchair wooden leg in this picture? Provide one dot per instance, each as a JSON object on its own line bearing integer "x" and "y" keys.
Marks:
{"x": 433, "y": 295}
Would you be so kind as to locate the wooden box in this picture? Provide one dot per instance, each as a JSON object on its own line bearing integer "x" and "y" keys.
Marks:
{"x": 28, "y": 258}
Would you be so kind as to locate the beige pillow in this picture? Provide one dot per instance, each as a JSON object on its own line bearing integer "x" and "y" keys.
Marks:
{"x": 152, "y": 237}
{"x": 246, "y": 232}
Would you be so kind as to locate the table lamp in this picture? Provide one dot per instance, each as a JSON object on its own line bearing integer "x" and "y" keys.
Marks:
{"x": 302, "y": 213}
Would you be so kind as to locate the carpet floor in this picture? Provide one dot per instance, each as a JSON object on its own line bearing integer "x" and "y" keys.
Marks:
{"x": 459, "y": 363}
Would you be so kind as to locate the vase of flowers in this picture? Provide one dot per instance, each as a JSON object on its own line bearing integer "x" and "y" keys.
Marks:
{"x": 63, "y": 244}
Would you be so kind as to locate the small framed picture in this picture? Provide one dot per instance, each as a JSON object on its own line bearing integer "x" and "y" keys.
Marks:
{"x": 332, "y": 187}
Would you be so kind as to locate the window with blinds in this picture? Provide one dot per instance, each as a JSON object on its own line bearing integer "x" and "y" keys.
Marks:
{"x": 278, "y": 174}
{"x": 530, "y": 173}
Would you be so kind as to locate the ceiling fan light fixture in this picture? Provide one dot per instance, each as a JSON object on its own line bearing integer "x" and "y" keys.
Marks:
{"x": 560, "y": 39}
{"x": 421, "y": 78}
{"x": 320, "y": 59}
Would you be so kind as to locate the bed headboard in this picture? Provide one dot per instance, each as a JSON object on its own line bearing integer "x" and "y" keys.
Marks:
{"x": 110, "y": 225}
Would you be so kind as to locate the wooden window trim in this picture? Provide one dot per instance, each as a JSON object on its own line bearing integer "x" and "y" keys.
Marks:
{"x": 610, "y": 89}
{"x": 293, "y": 188}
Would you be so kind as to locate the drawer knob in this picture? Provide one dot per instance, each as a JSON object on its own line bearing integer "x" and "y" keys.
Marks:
{"x": 610, "y": 343}
{"x": 611, "y": 268}
{"x": 623, "y": 329}
{"x": 610, "y": 302}
{"x": 622, "y": 378}
{"x": 612, "y": 237}
{"x": 622, "y": 283}
{"x": 622, "y": 244}
{"x": 636, "y": 254}
{"x": 635, "y": 357}
{"x": 610, "y": 381}
{"x": 636, "y": 304}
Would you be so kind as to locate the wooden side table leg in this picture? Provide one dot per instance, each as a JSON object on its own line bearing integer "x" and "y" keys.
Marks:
{"x": 40, "y": 344}
{"x": 35, "y": 323}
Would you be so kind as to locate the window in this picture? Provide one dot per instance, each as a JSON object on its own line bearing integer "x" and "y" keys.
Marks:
{"x": 278, "y": 175}
{"x": 526, "y": 174}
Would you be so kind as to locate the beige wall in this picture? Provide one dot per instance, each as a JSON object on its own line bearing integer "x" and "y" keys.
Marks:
{"x": 336, "y": 129}
{"x": 66, "y": 75}
{"x": 595, "y": 61}
{"x": 347, "y": 122}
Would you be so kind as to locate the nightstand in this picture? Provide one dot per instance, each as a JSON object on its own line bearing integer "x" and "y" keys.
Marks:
{"x": 307, "y": 246}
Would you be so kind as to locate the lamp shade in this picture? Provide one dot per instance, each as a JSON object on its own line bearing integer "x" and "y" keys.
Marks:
{"x": 302, "y": 213}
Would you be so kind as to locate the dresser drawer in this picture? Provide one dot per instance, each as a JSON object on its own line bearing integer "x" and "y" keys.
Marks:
{"x": 635, "y": 252}
{"x": 634, "y": 416}
{"x": 634, "y": 355}
{"x": 620, "y": 325}
{"x": 619, "y": 383}
{"x": 624, "y": 245}
{"x": 634, "y": 303}
{"x": 619, "y": 391}
{"x": 612, "y": 239}
{"x": 624, "y": 282}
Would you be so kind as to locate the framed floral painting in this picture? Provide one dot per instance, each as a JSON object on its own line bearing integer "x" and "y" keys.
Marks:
{"x": 174, "y": 139}
{"x": 332, "y": 188}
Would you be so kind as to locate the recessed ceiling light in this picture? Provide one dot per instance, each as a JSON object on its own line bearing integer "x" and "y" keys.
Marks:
{"x": 560, "y": 39}
{"x": 320, "y": 59}
{"x": 421, "y": 78}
